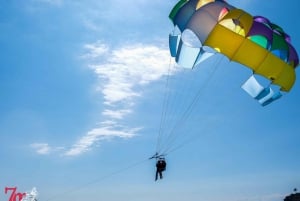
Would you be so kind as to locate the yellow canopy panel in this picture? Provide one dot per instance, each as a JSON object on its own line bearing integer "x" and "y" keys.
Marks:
{"x": 242, "y": 50}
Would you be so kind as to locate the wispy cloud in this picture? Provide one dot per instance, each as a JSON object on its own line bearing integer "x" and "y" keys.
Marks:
{"x": 121, "y": 72}
{"x": 99, "y": 134}
{"x": 116, "y": 114}
{"x": 44, "y": 148}
{"x": 126, "y": 68}
{"x": 41, "y": 148}
{"x": 94, "y": 51}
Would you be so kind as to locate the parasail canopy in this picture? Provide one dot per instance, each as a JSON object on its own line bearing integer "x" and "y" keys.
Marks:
{"x": 206, "y": 27}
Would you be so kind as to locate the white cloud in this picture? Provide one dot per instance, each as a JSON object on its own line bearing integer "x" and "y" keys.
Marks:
{"x": 116, "y": 114}
{"x": 99, "y": 134}
{"x": 44, "y": 148}
{"x": 95, "y": 50}
{"x": 128, "y": 67}
{"x": 41, "y": 148}
{"x": 120, "y": 72}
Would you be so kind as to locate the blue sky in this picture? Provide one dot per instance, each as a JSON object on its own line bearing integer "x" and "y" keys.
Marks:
{"x": 82, "y": 88}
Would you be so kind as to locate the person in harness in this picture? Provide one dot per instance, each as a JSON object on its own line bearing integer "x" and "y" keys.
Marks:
{"x": 160, "y": 167}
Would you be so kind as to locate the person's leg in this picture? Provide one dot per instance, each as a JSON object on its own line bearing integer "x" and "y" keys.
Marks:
{"x": 156, "y": 175}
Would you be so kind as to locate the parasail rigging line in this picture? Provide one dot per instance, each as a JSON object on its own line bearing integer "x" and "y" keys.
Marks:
{"x": 186, "y": 112}
{"x": 193, "y": 138}
{"x": 172, "y": 110}
{"x": 78, "y": 188}
{"x": 165, "y": 103}
{"x": 169, "y": 109}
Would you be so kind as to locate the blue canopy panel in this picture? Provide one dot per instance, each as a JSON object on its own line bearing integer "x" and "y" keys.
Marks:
{"x": 173, "y": 43}
{"x": 187, "y": 55}
{"x": 264, "y": 95}
{"x": 203, "y": 55}
{"x": 267, "y": 96}
{"x": 188, "y": 49}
